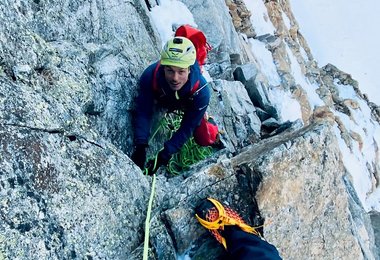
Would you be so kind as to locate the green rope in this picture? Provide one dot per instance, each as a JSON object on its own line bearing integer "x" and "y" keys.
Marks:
{"x": 161, "y": 124}
{"x": 147, "y": 220}
{"x": 190, "y": 152}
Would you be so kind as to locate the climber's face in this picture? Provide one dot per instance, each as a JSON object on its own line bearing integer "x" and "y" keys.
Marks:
{"x": 176, "y": 76}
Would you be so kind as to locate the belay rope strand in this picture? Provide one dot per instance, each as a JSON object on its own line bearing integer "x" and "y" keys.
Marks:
{"x": 147, "y": 220}
{"x": 188, "y": 155}
{"x": 148, "y": 213}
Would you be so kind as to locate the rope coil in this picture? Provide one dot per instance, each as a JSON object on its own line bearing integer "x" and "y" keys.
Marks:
{"x": 190, "y": 152}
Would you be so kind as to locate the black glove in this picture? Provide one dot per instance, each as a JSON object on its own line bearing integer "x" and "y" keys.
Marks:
{"x": 162, "y": 159}
{"x": 139, "y": 155}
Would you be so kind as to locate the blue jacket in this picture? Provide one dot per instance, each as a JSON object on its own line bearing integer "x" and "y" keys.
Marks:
{"x": 193, "y": 108}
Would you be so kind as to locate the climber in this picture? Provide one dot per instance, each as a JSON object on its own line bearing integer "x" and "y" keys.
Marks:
{"x": 241, "y": 241}
{"x": 173, "y": 83}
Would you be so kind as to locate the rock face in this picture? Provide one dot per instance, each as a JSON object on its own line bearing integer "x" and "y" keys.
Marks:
{"x": 241, "y": 17}
{"x": 376, "y": 226}
{"x": 68, "y": 79}
{"x": 303, "y": 180}
{"x": 66, "y": 197}
{"x": 84, "y": 50}
{"x": 235, "y": 114}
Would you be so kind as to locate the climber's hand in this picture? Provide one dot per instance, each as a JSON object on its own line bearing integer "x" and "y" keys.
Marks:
{"x": 139, "y": 155}
{"x": 152, "y": 165}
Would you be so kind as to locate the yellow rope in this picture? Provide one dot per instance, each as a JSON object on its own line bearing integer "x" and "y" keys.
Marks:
{"x": 147, "y": 220}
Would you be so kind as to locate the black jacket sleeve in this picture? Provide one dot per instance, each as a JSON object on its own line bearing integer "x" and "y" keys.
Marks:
{"x": 144, "y": 107}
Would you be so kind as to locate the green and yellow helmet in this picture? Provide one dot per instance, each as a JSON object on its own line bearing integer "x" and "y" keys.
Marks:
{"x": 179, "y": 52}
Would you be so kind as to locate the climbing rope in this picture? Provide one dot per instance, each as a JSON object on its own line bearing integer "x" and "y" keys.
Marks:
{"x": 190, "y": 152}
{"x": 147, "y": 220}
